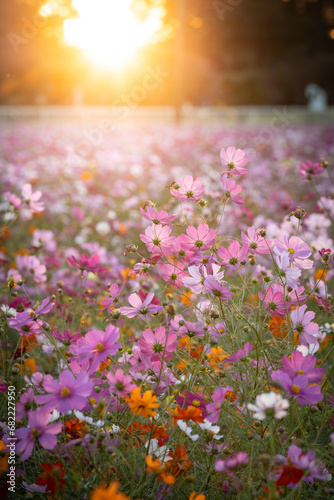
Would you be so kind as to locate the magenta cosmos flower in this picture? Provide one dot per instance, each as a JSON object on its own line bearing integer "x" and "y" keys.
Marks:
{"x": 69, "y": 393}
{"x": 157, "y": 345}
{"x": 233, "y": 256}
{"x": 198, "y": 239}
{"x": 115, "y": 291}
{"x": 38, "y": 430}
{"x": 231, "y": 464}
{"x": 273, "y": 302}
{"x": 308, "y": 170}
{"x": 86, "y": 263}
{"x": 300, "y": 365}
{"x": 120, "y": 384}
{"x": 188, "y": 189}
{"x": 231, "y": 190}
{"x": 241, "y": 354}
{"x": 160, "y": 217}
{"x": 221, "y": 395}
{"x": 140, "y": 307}
{"x": 234, "y": 159}
{"x": 157, "y": 239}
{"x": 96, "y": 346}
{"x": 173, "y": 274}
{"x": 298, "y": 387}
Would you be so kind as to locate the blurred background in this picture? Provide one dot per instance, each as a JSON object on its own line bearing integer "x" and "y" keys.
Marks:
{"x": 166, "y": 52}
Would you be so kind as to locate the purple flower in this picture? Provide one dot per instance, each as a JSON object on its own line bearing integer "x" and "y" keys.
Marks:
{"x": 298, "y": 387}
{"x": 219, "y": 396}
{"x": 69, "y": 393}
{"x": 241, "y": 354}
{"x": 24, "y": 405}
{"x": 37, "y": 430}
{"x": 301, "y": 321}
{"x": 300, "y": 365}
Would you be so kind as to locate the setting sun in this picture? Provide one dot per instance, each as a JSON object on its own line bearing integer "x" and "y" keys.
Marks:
{"x": 109, "y": 31}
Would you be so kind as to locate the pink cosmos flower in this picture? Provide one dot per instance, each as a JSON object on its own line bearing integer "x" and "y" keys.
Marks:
{"x": 157, "y": 239}
{"x": 115, "y": 291}
{"x": 140, "y": 307}
{"x": 219, "y": 397}
{"x": 120, "y": 384}
{"x": 308, "y": 170}
{"x": 66, "y": 337}
{"x": 45, "y": 239}
{"x": 241, "y": 354}
{"x": 188, "y": 190}
{"x": 26, "y": 327}
{"x": 32, "y": 266}
{"x": 158, "y": 345}
{"x": 96, "y": 346}
{"x": 198, "y": 239}
{"x": 234, "y": 256}
{"x": 160, "y": 217}
{"x": 234, "y": 159}
{"x": 32, "y": 199}
{"x": 273, "y": 301}
{"x": 298, "y": 387}
{"x": 216, "y": 289}
{"x": 257, "y": 244}
{"x": 231, "y": 190}
{"x": 86, "y": 263}
{"x": 179, "y": 251}
{"x": 300, "y": 365}
{"x": 69, "y": 393}
{"x": 173, "y": 274}
{"x": 38, "y": 429}
{"x": 196, "y": 279}
{"x": 301, "y": 321}
{"x": 231, "y": 464}
{"x": 23, "y": 407}
{"x": 298, "y": 251}
{"x": 14, "y": 200}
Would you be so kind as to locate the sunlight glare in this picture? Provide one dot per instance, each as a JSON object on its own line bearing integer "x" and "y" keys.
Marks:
{"x": 109, "y": 32}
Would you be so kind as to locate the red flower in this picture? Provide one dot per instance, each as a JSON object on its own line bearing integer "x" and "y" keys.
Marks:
{"x": 290, "y": 475}
{"x": 52, "y": 476}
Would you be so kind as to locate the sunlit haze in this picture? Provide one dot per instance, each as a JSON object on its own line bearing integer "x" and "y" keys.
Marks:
{"x": 109, "y": 31}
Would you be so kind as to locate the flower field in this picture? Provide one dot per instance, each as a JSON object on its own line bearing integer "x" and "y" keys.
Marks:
{"x": 166, "y": 314}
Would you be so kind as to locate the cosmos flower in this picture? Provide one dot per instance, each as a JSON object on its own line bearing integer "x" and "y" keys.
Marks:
{"x": 201, "y": 238}
{"x": 234, "y": 160}
{"x": 69, "y": 393}
{"x": 142, "y": 405}
{"x": 188, "y": 189}
{"x": 140, "y": 307}
{"x": 269, "y": 405}
{"x": 231, "y": 190}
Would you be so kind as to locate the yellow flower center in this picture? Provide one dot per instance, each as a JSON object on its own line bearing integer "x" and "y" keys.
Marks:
{"x": 295, "y": 389}
{"x": 92, "y": 401}
{"x": 196, "y": 403}
{"x": 300, "y": 372}
{"x": 65, "y": 392}
{"x": 99, "y": 346}
{"x": 35, "y": 432}
{"x": 291, "y": 250}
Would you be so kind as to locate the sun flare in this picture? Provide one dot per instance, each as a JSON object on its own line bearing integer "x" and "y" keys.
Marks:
{"x": 110, "y": 31}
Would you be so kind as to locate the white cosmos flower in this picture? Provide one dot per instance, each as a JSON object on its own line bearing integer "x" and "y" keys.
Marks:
{"x": 183, "y": 426}
{"x": 269, "y": 405}
{"x": 208, "y": 426}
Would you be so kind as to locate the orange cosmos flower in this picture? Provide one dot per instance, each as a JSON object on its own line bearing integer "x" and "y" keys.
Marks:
{"x": 216, "y": 356}
{"x": 320, "y": 274}
{"x": 142, "y": 405}
{"x": 278, "y": 327}
{"x": 180, "y": 461}
{"x": 185, "y": 298}
{"x": 194, "y": 496}
{"x": 191, "y": 413}
{"x": 110, "y": 493}
{"x": 155, "y": 467}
